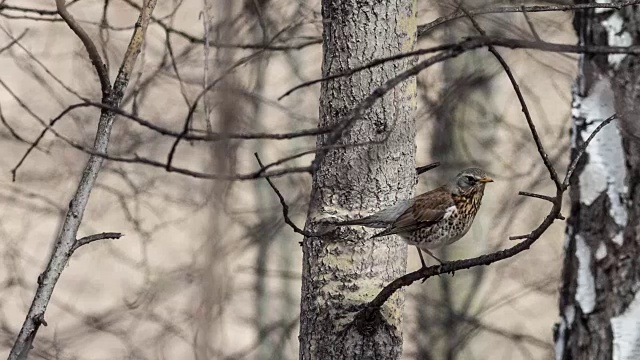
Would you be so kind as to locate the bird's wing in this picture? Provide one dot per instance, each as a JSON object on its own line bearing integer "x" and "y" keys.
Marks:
{"x": 427, "y": 209}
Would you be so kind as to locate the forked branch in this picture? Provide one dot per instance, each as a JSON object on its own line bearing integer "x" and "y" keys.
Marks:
{"x": 66, "y": 242}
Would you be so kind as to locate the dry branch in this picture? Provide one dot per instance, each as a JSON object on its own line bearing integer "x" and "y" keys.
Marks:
{"x": 91, "y": 238}
{"x": 66, "y": 241}
{"x": 94, "y": 55}
{"x": 457, "y": 14}
{"x": 473, "y": 43}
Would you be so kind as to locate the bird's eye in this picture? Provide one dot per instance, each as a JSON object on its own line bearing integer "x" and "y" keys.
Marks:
{"x": 470, "y": 179}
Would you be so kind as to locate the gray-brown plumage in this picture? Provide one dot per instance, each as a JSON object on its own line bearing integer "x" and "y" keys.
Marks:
{"x": 436, "y": 218}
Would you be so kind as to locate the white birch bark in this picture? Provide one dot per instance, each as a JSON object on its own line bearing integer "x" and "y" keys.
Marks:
{"x": 599, "y": 300}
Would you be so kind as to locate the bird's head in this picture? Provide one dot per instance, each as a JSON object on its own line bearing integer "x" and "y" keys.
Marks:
{"x": 469, "y": 181}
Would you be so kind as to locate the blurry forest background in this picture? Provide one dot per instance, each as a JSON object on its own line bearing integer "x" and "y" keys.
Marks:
{"x": 207, "y": 269}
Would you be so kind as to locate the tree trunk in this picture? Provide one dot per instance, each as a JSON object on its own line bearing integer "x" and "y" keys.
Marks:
{"x": 344, "y": 270}
{"x": 600, "y": 313}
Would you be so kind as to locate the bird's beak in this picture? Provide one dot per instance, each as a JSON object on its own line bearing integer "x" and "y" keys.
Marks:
{"x": 486, "y": 179}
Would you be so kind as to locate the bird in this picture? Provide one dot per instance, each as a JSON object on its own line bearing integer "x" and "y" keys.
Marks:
{"x": 433, "y": 219}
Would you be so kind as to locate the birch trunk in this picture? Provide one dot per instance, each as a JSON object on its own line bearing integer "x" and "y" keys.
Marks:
{"x": 600, "y": 312}
{"x": 344, "y": 271}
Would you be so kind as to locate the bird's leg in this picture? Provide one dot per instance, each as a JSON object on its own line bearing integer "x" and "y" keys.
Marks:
{"x": 430, "y": 254}
{"x": 424, "y": 264}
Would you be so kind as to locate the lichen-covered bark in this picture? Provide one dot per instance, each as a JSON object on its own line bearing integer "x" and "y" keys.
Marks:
{"x": 343, "y": 271}
{"x": 598, "y": 302}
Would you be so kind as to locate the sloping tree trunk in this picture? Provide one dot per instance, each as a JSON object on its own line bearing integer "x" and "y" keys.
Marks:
{"x": 344, "y": 271}
{"x": 600, "y": 312}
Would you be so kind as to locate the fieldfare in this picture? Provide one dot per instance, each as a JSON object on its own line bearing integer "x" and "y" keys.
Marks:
{"x": 436, "y": 218}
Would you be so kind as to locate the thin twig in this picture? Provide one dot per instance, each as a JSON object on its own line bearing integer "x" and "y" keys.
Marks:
{"x": 472, "y": 43}
{"x": 94, "y": 55}
{"x": 213, "y": 136}
{"x": 368, "y": 65}
{"x": 530, "y": 23}
{"x": 425, "y": 168}
{"x": 41, "y": 65}
{"x": 91, "y": 238}
{"x": 285, "y": 207}
{"x": 189, "y": 118}
{"x": 550, "y": 199}
{"x": 525, "y": 109}
{"x": 423, "y": 30}
{"x": 570, "y": 170}
{"x": 41, "y": 12}
{"x": 574, "y": 163}
{"x": 14, "y": 41}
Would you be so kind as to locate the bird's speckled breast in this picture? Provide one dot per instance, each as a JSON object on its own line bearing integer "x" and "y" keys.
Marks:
{"x": 450, "y": 230}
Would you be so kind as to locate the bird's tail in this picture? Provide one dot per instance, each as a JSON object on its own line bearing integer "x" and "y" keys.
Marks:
{"x": 363, "y": 221}
{"x": 381, "y": 219}
{"x": 371, "y": 221}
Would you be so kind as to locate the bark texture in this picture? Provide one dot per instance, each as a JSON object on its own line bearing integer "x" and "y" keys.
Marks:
{"x": 599, "y": 307}
{"x": 344, "y": 270}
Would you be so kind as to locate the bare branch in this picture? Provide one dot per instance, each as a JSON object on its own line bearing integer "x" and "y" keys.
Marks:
{"x": 525, "y": 109}
{"x": 424, "y": 29}
{"x": 541, "y": 197}
{"x": 14, "y": 41}
{"x": 425, "y": 168}
{"x": 136, "y": 159}
{"x": 285, "y": 207}
{"x": 66, "y": 241}
{"x": 207, "y": 136}
{"x": 376, "y": 62}
{"x": 473, "y": 43}
{"x": 91, "y": 238}
{"x": 42, "y": 12}
{"x": 189, "y": 118}
{"x": 94, "y": 55}
{"x": 582, "y": 149}
{"x": 534, "y": 32}
{"x": 550, "y": 199}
